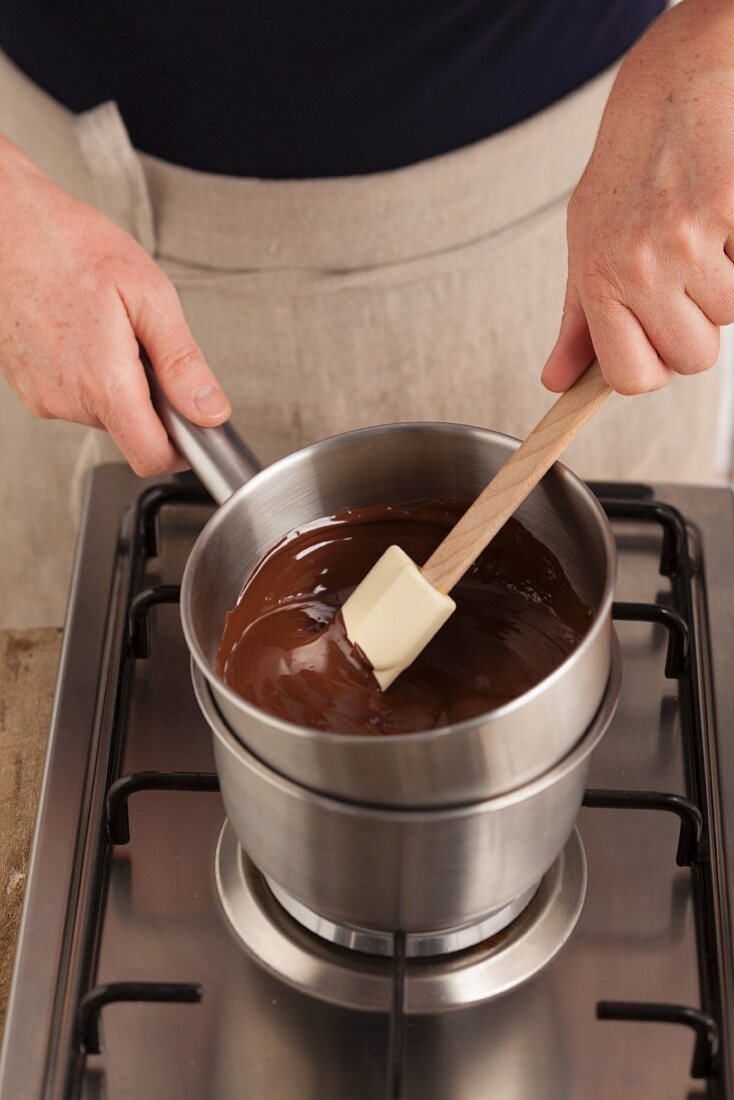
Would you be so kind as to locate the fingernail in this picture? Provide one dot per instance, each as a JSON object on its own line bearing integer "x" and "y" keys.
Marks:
{"x": 210, "y": 400}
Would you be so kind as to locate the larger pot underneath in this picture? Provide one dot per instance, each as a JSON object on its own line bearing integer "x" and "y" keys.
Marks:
{"x": 434, "y": 981}
{"x": 416, "y": 870}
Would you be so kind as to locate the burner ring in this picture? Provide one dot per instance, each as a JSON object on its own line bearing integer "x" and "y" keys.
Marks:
{"x": 370, "y": 941}
{"x": 353, "y": 979}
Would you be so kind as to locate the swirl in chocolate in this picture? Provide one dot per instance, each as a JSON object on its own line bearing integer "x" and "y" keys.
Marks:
{"x": 285, "y": 650}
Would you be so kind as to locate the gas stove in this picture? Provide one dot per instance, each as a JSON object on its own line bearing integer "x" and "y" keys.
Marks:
{"x": 155, "y": 961}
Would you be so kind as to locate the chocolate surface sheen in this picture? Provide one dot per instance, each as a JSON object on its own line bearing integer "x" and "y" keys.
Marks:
{"x": 285, "y": 650}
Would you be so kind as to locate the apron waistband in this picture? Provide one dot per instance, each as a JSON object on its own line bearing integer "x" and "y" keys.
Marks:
{"x": 386, "y": 217}
{"x": 328, "y": 225}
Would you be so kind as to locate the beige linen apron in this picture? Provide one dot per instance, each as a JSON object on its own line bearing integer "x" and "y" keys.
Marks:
{"x": 428, "y": 293}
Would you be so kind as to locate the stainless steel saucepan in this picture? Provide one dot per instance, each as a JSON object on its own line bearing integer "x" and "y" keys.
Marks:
{"x": 455, "y": 765}
{"x": 376, "y": 868}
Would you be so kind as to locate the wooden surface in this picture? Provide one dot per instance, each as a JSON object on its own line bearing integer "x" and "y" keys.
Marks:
{"x": 516, "y": 480}
{"x": 28, "y": 662}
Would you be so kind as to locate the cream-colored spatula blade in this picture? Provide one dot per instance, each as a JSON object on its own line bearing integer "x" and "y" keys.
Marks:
{"x": 393, "y": 614}
{"x": 396, "y": 610}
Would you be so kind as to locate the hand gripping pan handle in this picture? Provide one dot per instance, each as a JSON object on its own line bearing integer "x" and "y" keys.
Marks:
{"x": 219, "y": 457}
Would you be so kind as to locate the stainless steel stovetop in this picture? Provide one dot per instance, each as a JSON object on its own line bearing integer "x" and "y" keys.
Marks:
{"x": 121, "y": 931}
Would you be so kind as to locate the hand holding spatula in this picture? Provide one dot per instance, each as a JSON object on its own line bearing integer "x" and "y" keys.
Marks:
{"x": 396, "y": 610}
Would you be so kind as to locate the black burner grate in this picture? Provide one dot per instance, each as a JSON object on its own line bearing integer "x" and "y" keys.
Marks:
{"x": 621, "y": 503}
{"x": 694, "y": 848}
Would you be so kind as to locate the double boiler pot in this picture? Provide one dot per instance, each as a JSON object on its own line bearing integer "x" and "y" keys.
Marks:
{"x": 370, "y": 867}
{"x": 420, "y": 831}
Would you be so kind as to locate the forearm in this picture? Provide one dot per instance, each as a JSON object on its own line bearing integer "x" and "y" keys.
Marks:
{"x": 704, "y": 33}
{"x": 651, "y": 223}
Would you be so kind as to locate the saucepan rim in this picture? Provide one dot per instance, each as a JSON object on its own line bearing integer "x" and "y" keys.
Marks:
{"x": 279, "y": 469}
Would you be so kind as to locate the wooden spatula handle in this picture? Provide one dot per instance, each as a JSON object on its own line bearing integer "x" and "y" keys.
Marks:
{"x": 515, "y": 480}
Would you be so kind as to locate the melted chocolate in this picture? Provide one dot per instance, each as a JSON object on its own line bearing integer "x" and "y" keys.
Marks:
{"x": 285, "y": 650}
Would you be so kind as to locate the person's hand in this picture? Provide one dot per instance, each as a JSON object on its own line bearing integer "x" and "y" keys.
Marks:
{"x": 651, "y": 223}
{"x": 76, "y": 292}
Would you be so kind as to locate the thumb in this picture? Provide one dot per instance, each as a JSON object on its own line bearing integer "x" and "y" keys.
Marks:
{"x": 158, "y": 322}
{"x": 573, "y": 350}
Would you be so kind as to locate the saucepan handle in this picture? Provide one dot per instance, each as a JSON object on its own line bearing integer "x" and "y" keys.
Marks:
{"x": 219, "y": 457}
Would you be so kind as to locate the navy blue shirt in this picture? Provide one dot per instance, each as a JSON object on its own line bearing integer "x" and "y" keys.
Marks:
{"x": 308, "y": 88}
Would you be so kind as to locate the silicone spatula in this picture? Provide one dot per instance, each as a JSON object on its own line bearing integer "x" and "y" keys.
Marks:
{"x": 395, "y": 611}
